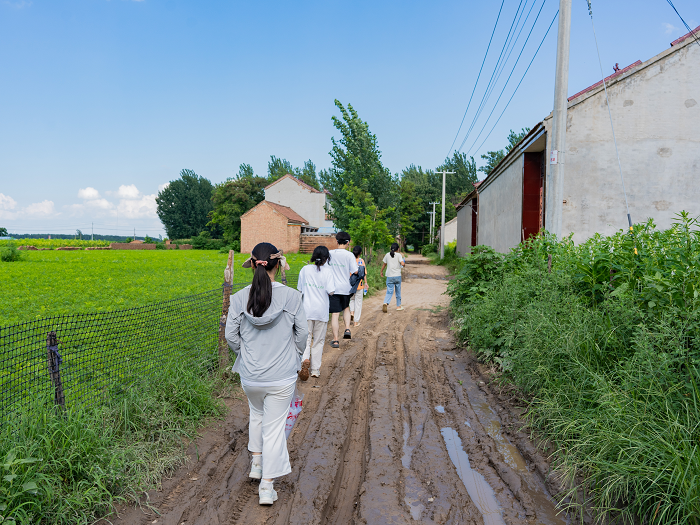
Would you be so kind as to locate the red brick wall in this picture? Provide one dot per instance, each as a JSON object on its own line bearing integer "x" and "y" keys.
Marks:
{"x": 140, "y": 246}
{"x": 263, "y": 224}
{"x": 309, "y": 242}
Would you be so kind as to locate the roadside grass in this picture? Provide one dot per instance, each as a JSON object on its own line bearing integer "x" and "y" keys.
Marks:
{"x": 77, "y": 465}
{"x": 45, "y": 283}
{"x": 606, "y": 348}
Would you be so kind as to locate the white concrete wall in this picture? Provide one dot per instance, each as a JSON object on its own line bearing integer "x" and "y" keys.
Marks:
{"x": 656, "y": 114}
{"x": 309, "y": 205}
{"x": 501, "y": 208}
{"x": 450, "y": 231}
{"x": 464, "y": 229}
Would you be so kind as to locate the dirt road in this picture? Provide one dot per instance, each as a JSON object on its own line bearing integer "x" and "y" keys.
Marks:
{"x": 401, "y": 427}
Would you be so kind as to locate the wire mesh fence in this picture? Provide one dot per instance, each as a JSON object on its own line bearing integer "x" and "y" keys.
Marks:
{"x": 79, "y": 359}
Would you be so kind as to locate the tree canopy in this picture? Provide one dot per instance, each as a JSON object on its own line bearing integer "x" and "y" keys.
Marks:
{"x": 492, "y": 158}
{"x": 277, "y": 168}
{"x": 184, "y": 205}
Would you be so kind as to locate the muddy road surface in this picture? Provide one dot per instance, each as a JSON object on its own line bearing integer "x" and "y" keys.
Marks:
{"x": 401, "y": 427}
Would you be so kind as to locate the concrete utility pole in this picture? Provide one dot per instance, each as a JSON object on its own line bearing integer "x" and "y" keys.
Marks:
{"x": 442, "y": 227}
{"x": 432, "y": 222}
{"x": 555, "y": 184}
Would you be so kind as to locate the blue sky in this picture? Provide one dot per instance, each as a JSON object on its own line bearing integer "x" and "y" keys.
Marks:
{"x": 102, "y": 102}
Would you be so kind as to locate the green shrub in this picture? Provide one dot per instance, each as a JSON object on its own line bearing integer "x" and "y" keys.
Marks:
{"x": 607, "y": 347}
{"x": 10, "y": 253}
{"x": 148, "y": 240}
{"x": 427, "y": 249}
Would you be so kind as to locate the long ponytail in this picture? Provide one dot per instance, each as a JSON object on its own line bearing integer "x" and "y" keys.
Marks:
{"x": 260, "y": 295}
{"x": 394, "y": 247}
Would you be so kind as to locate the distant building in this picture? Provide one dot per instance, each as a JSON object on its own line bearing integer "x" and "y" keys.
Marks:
{"x": 306, "y": 200}
{"x": 450, "y": 231}
{"x": 273, "y": 223}
{"x": 656, "y": 113}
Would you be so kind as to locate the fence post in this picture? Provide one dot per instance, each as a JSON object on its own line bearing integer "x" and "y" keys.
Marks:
{"x": 228, "y": 285}
{"x": 549, "y": 263}
{"x": 55, "y": 360}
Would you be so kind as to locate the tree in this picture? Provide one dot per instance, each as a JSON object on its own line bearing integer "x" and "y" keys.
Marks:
{"x": 184, "y": 205}
{"x": 3, "y": 232}
{"x": 411, "y": 210}
{"x": 367, "y": 227}
{"x": 233, "y": 198}
{"x": 278, "y": 168}
{"x": 357, "y": 164}
{"x": 461, "y": 183}
{"x": 494, "y": 157}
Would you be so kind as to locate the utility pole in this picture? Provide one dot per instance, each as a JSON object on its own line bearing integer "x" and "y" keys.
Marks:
{"x": 432, "y": 221}
{"x": 555, "y": 186}
{"x": 442, "y": 227}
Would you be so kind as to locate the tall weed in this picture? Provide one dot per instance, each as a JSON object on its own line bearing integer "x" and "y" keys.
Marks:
{"x": 603, "y": 337}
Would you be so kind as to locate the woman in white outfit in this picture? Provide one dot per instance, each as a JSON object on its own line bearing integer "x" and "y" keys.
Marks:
{"x": 316, "y": 283}
{"x": 356, "y": 299}
{"x": 266, "y": 328}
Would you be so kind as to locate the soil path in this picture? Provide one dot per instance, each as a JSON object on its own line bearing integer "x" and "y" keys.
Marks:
{"x": 401, "y": 427}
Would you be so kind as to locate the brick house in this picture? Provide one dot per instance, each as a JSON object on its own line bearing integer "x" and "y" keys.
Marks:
{"x": 274, "y": 223}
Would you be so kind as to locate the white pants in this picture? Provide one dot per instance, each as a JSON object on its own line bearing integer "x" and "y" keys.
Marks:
{"x": 356, "y": 304}
{"x": 315, "y": 342}
{"x": 269, "y": 407}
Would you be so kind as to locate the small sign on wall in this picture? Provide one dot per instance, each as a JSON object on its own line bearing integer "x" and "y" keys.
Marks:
{"x": 554, "y": 158}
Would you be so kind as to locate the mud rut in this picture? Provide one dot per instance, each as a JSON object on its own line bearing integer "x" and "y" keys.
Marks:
{"x": 401, "y": 427}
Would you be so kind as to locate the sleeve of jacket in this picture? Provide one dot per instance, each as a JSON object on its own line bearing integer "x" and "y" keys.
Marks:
{"x": 301, "y": 327}
{"x": 233, "y": 325}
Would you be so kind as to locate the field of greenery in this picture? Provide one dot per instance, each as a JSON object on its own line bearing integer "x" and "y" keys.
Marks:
{"x": 44, "y": 283}
{"x": 53, "y": 243}
{"x": 606, "y": 348}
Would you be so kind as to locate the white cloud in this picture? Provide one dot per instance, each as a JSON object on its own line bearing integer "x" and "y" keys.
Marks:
{"x": 88, "y": 193}
{"x": 7, "y": 204}
{"x": 128, "y": 192}
{"x": 143, "y": 207}
{"x": 670, "y": 28}
{"x": 39, "y": 209}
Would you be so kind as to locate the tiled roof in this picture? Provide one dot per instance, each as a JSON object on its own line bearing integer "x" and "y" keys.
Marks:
{"x": 695, "y": 32}
{"x": 607, "y": 79}
{"x": 300, "y": 183}
{"x": 287, "y": 212}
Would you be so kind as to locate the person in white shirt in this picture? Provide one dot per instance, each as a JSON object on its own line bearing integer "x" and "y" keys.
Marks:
{"x": 342, "y": 265}
{"x": 393, "y": 263}
{"x": 316, "y": 283}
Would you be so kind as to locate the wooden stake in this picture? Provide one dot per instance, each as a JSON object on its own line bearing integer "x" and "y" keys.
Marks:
{"x": 54, "y": 360}
{"x": 549, "y": 263}
{"x": 228, "y": 285}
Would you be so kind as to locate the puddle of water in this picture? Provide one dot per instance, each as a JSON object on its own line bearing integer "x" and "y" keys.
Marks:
{"x": 414, "y": 506}
{"x": 479, "y": 490}
{"x": 440, "y": 409}
{"x": 407, "y": 450}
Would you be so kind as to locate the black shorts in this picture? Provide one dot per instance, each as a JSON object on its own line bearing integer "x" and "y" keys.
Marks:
{"x": 338, "y": 303}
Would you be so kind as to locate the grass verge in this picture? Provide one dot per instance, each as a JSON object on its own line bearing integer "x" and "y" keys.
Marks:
{"x": 71, "y": 468}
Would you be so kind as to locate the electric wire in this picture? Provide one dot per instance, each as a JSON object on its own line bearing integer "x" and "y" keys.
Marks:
{"x": 686, "y": 25}
{"x": 607, "y": 101}
{"x": 477, "y": 77}
{"x": 498, "y": 61}
{"x": 509, "y": 76}
{"x": 521, "y": 81}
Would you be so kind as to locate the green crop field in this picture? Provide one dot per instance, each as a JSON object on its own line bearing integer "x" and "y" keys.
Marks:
{"x": 54, "y": 282}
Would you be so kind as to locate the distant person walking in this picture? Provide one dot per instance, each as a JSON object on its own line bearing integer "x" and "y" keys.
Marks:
{"x": 343, "y": 265}
{"x": 267, "y": 330}
{"x": 316, "y": 284}
{"x": 356, "y": 298}
{"x": 393, "y": 263}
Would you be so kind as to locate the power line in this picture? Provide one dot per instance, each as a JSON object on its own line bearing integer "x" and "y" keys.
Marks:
{"x": 686, "y": 25}
{"x": 510, "y": 75}
{"x": 488, "y": 86}
{"x": 477, "y": 78}
{"x": 521, "y": 80}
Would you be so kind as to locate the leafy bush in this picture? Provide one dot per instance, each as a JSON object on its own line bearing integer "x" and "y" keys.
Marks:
{"x": 203, "y": 241}
{"x": 10, "y": 253}
{"x": 148, "y": 240}
{"x": 607, "y": 346}
{"x": 427, "y": 249}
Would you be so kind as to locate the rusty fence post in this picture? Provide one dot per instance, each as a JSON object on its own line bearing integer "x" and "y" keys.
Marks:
{"x": 549, "y": 263}
{"x": 54, "y": 358}
{"x": 228, "y": 285}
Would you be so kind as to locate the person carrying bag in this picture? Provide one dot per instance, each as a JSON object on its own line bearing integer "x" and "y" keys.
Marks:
{"x": 267, "y": 330}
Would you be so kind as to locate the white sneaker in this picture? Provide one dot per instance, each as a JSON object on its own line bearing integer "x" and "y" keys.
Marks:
{"x": 315, "y": 373}
{"x": 267, "y": 496}
{"x": 255, "y": 469}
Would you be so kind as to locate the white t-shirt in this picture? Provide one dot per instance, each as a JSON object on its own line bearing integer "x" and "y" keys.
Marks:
{"x": 316, "y": 286}
{"x": 393, "y": 264}
{"x": 343, "y": 265}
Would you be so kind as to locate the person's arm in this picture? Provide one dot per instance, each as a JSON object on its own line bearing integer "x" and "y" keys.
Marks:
{"x": 403, "y": 260}
{"x": 353, "y": 266}
{"x": 233, "y": 330}
{"x": 301, "y": 281}
{"x": 381, "y": 272}
{"x": 301, "y": 328}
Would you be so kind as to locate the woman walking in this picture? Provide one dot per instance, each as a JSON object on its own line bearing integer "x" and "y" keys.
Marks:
{"x": 394, "y": 263}
{"x": 356, "y": 299}
{"x": 316, "y": 284}
{"x": 266, "y": 328}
